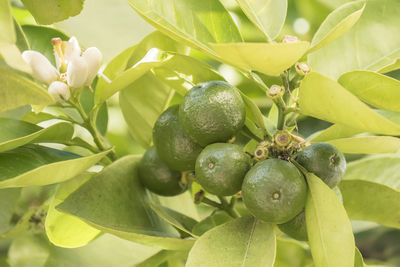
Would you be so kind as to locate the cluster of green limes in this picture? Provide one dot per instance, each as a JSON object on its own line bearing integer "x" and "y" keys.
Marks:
{"x": 194, "y": 137}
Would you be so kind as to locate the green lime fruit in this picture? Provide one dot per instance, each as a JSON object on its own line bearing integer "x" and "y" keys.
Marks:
{"x": 325, "y": 161}
{"x": 212, "y": 112}
{"x": 274, "y": 191}
{"x": 157, "y": 177}
{"x": 296, "y": 227}
{"x": 174, "y": 147}
{"x": 221, "y": 167}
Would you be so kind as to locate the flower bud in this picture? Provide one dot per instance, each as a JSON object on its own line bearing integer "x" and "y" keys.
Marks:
{"x": 302, "y": 68}
{"x": 93, "y": 58}
{"x": 77, "y": 72}
{"x": 72, "y": 50}
{"x": 59, "y": 91}
{"x": 42, "y": 70}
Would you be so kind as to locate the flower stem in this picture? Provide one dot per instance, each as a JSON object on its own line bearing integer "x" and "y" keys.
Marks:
{"x": 228, "y": 208}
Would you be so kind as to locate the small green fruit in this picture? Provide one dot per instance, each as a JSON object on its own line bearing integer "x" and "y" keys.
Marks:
{"x": 325, "y": 161}
{"x": 221, "y": 167}
{"x": 157, "y": 177}
{"x": 212, "y": 112}
{"x": 296, "y": 227}
{"x": 174, "y": 147}
{"x": 274, "y": 191}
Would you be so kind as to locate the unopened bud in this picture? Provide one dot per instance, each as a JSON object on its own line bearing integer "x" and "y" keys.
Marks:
{"x": 302, "y": 68}
{"x": 77, "y": 72}
{"x": 93, "y": 58}
{"x": 275, "y": 91}
{"x": 288, "y": 39}
{"x": 72, "y": 50}
{"x": 261, "y": 152}
{"x": 42, "y": 70}
{"x": 59, "y": 91}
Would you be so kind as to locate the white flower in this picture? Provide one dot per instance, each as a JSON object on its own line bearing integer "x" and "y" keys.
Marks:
{"x": 77, "y": 72}
{"x": 42, "y": 70}
{"x": 59, "y": 91}
{"x": 93, "y": 58}
{"x": 72, "y": 50}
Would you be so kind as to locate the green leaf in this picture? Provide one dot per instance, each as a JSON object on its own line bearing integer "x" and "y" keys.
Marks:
{"x": 267, "y": 58}
{"x": 183, "y": 72}
{"x": 115, "y": 202}
{"x": 7, "y": 32}
{"x": 162, "y": 257}
{"x": 358, "y": 48}
{"x": 15, "y": 133}
{"x": 337, "y": 23}
{"x": 245, "y": 241}
{"x": 177, "y": 219}
{"x": 50, "y": 11}
{"x": 252, "y": 111}
{"x": 325, "y": 99}
{"x": 154, "y": 58}
{"x": 373, "y": 88}
{"x": 268, "y": 16}
{"x": 39, "y": 38}
{"x": 65, "y": 230}
{"x": 195, "y": 23}
{"x": 38, "y": 165}
{"x": 358, "y": 259}
{"x": 367, "y": 144}
{"x": 328, "y": 227}
{"x": 335, "y": 131}
{"x": 218, "y": 218}
{"x": 182, "y": 203}
{"x": 8, "y": 199}
{"x": 141, "y": 104}
{"x": 17, "y": 91}
{"x": 291, "y": 253}
{"x": 371, "y": 201}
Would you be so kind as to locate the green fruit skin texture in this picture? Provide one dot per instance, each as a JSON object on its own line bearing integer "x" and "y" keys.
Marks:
{"x": 157, "y": 177}
{"x": 325, "y": 161}
{"x": 229, "y": 166}
{"x": 212, "y": 112}
{"x": 296, "y": 227}
{"x": 270, "y": 177}
{"x": 174, "y": 147}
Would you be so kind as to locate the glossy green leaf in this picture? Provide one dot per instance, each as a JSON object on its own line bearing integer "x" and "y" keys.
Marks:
{"x": 196, "y": 23}
{"x": 371, "y": 44}
{"x": 183, "y": 72}
{"x": 395, "y": 65}
{"x": 178, "y": 220}
{"x": 373, "y": 88}
{"x": 367, "y": 144}
{"x": 218, "y": 218}
{"x": 154, "y": 58}
{"x": 115, "y": 202}
{"x": 337, "y": 23}
{"x": 7, "y": 32}
{"x": 252, "y": 111}
{"x": 16, "y": 91}
{"x": 371, "y": 201}
{"x": 15, "y": 133}
{"x": 268, "y": 16}
{"x": 65, "y": 230}
{"x": 326, "y": 99}
{"x": 87, "y": 101}
{"x": 38, "y": 165}
{"x": 105, "y": 251}
{"x": 22, "y": 41}
{"x": 267, "y": 58}
{"x": 141, "y": 104}
{"x": 162, "y": 257}
{"x": 39, "y": 38}
{"x": 291, "y": 253}
{"x": 381, "y": 169}
{"x": 8, "y": 199}
{"x": 50, "y": 11}
{"x": 358, "y": 259}
{"x": 243, "y": 242}
{"x": 181, "y": 203}
{"x": 335, "y": 131}
{"x": 328, "y": 227}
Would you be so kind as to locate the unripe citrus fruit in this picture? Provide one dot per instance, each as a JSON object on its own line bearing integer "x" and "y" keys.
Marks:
{"x": 157, "y": 177}
{"x": 221, "y": 167}
{"x": 325, "y": 161}
{"x": 174, "y": 147}
{"x": 296, "y": 227}
{"x": 212, "y": 112}
{"x": 274, "y": 191}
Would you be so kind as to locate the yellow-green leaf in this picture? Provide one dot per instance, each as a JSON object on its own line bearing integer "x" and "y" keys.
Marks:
{"x": 367, "y": 144}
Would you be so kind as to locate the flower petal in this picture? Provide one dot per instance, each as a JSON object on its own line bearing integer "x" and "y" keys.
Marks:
{"x": 93, "y": 58}
{"x": 72, "y": 50}
{"x": 77, "y": 72}
{"x": 42, "y": 70}
{"x": 59, "y": 91}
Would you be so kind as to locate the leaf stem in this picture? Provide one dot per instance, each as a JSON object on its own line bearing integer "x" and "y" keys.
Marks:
{"x": 228, "y": 208}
